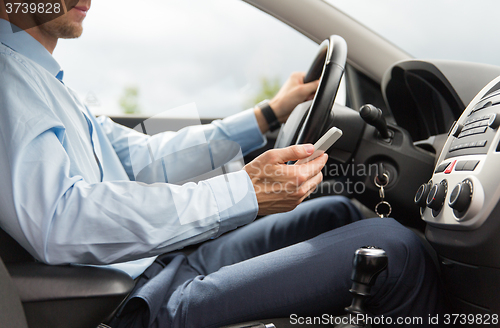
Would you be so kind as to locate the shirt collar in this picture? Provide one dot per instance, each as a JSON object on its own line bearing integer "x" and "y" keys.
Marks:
{"x": 27, "y": 46}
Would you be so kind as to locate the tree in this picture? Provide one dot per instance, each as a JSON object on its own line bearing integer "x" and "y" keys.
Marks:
{"x": 129, "y": 101}
{"x": 268, "y": 88}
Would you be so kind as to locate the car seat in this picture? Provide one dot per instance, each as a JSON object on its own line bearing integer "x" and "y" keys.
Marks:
{"x": 55, "y": 296}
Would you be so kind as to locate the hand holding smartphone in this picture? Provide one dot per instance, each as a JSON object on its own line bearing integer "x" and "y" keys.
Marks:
{"x": 323, "y": 144}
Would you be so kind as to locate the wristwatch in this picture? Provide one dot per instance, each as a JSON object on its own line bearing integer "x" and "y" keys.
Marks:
{"x": 269, "y": 115}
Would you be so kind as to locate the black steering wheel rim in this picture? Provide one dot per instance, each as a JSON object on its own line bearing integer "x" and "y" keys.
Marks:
{"x": 333, "y": 53}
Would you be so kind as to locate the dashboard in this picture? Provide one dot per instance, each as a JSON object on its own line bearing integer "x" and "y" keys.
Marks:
{"x": 459, "y": 104}
{"x": 426, "y": 97}
{"x": 462, "y": 190}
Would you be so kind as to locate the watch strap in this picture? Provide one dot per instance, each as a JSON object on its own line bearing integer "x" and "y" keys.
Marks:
{"x": 269, "y": 115}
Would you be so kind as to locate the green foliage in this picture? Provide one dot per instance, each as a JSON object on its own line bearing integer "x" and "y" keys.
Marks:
{"x": 129, "y": 101}
{"x": 268, "y": 88}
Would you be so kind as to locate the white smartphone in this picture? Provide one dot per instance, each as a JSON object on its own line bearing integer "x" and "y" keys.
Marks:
{"x": 323, "y": 144}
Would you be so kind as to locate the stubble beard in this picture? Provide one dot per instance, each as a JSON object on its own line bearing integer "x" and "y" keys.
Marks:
{"x": 62, "y": 28}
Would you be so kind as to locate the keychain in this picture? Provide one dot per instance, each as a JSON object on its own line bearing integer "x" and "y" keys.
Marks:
{"x": 381, "y": 193}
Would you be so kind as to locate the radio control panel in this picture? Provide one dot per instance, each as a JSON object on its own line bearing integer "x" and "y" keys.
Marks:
{"x": 465, "y": 186}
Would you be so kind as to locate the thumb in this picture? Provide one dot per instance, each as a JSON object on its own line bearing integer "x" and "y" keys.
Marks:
{"x": 293, "y": 153}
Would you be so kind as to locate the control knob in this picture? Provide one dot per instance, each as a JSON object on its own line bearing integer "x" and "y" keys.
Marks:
{"x": 421, "y": 196}
{"x": 437, "y": 194}
{"x": 461, "y": 196}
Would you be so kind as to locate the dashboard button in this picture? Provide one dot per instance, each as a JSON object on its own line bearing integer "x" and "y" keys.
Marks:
{"x": 470, "y": 165}
{"x": 458, "y": 129}
{"x": 450, "y": 167}
{"x": 486, "y": 105}
{"x": 442, "y": 167}
{"x": 460, "y": 166}
{"x": 478, "y": 130}
{"x": 469, "y": 126}
{"x": 481, "y": 143}
{"x": 472, "y": 131}
{"x": 469, "y": 121}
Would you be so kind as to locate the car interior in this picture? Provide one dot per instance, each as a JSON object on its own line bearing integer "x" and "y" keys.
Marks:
{"x": 429, "y": 130}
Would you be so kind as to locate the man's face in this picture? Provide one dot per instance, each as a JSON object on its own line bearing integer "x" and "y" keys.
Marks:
{"x": 69, "y": 25}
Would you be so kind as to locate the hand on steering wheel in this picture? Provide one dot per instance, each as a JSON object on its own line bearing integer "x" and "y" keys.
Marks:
{"x": 292, "y": 93}
{"x": 308, "y": 126}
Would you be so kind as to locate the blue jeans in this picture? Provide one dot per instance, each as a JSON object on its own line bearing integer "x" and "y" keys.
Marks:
{"x": 298, "y": 262}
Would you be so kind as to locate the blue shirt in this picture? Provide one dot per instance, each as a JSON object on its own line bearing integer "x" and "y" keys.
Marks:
{"x": 76, "y": 189}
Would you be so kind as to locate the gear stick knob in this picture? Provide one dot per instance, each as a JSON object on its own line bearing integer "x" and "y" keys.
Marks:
{"x": 368, "y": 263}
{"x": 373, "y": 116}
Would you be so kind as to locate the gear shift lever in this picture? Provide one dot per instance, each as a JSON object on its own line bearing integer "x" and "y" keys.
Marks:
{"x": 373, "y": 116}
{"x": 368, "y": 263}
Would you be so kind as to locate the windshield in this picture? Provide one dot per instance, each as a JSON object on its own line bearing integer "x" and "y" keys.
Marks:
{"x": 433, "y": 29}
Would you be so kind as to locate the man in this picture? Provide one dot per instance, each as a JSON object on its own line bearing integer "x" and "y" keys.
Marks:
{"x": 73, "y": 194}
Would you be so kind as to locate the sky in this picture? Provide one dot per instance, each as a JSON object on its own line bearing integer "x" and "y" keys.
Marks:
{"x": 211, "y": 53}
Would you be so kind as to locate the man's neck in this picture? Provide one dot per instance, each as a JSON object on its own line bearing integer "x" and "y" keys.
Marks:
{"x": 48, "y": 41}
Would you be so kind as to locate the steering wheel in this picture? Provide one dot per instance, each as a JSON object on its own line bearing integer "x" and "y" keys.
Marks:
{"x": 308, "y": 124}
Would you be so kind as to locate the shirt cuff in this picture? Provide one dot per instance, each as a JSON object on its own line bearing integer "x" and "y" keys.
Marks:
{"x": 244, "y": 129}
{"x": 235, "y": 198}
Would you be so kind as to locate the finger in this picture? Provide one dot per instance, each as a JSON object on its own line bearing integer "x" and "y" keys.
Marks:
{"x": 310, "y": 87}
{"x": 309, "y": 169}
{"x": 291, "y": 153}
{"x": 300, "y": 76}
{"x": 306, "y": 90}
{"x": 311, "y": 185}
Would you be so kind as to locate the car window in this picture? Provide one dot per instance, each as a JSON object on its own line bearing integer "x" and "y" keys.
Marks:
{"x": 153, "y": 56}
{"x": 433, "y": 29}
